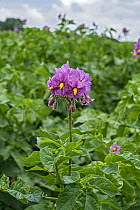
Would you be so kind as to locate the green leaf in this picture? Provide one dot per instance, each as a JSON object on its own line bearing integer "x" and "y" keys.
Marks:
{"x": 112, "y": 205}
{"x": 71, "y": 179}
{"x": 87, "y": 200}
{"x": 109, "y": 169}
{"x": 72, "y": 145}
{"x": 47, "y": 158}
{"x": 127, "y": 188}
{"x": 136, "y": 174}
{"x": 36, "y": 168}
{"x": 48, "y": 135}
{"x": 61, "y": 159}
{"x": 32, "y": 160}
{"x": 4, "y": 183}
{"x": 35, "y": 195}
{"x": 39, "y": 207}
{"x": 16, "y": 156}
{"x": 104, "y": 185}
{"x": 18, "y": 190}
{"x": 50, "y": 143}
{"x": 67, "y": 198}
{"x": 113, "y": 157}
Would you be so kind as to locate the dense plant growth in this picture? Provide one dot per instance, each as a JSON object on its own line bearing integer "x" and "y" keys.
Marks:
{"x": 35, "y": 148}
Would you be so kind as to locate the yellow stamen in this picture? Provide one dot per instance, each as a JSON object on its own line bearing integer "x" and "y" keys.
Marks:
{"x": 61, "y": 85}
{"x": 75, "y": 91}
{"x": 51, "y": 88}
{"x": 114, "y": 149}
{"x": 138, "y": 50}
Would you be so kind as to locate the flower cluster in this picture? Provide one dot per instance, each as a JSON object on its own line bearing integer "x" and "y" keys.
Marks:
{"x": 136, "y": 49}
{"x": 114, "y": 148}
{"x": 70, "y": 83}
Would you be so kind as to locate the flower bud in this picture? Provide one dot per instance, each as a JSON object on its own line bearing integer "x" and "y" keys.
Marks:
{"x": 73, "y": 106}
{"x": 51, "y": 100}
{"x": 86, "y": 99}
{"x": 55, "y": 105}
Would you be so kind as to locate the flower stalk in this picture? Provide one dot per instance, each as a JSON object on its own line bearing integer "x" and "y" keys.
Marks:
{"x": 70, "y": 133}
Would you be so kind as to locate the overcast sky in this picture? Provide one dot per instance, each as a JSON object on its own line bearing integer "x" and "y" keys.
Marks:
{"x": 105, "y": 13}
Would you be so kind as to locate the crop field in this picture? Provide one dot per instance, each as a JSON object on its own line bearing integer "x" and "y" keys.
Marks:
{"x": 68, "y": 156}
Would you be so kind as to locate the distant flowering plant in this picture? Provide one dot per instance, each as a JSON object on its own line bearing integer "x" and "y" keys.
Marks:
{"x": 114, "y": 148}
{"x": 46, "y": 27}
{"x": 15, "y": 29}
{"x": 24, "y": 21}
{"x": 125, "y": 31}
{"x": 95, "y": 25}
{"x": 136, "y": 49}
{"x": 71, "y": 84}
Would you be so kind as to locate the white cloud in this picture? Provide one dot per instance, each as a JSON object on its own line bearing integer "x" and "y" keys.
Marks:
{"x": 33, "y": 14}
{"x": 5, "y": 12}
{"x": 69, "y": 2}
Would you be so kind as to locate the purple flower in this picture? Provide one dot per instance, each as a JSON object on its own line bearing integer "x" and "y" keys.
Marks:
{"x": 136, "y": 49}
{"x": 86, "y": 99}
{"x": 125, "y": 31}
{"x": 114, "y": 148}
{"x": 46, "y": 27}
{"x": 75, "y": 89}
{"x": 15, "y": 29}
{"x": 57, "y": 83}
{"x": 71, "y": 83}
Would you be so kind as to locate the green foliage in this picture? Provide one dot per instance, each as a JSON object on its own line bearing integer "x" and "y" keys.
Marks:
{"x": 100, "y": 179}
{"x": 11, "y": 23}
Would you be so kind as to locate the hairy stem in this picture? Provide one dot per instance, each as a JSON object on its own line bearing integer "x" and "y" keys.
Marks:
{"x": 70, "y": 133}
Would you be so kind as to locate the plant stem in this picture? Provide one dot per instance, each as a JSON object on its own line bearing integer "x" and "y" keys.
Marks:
{"x": 50, "y": 198}
{"x": 70, "y": 133}
{"x": 59, "y": 178}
